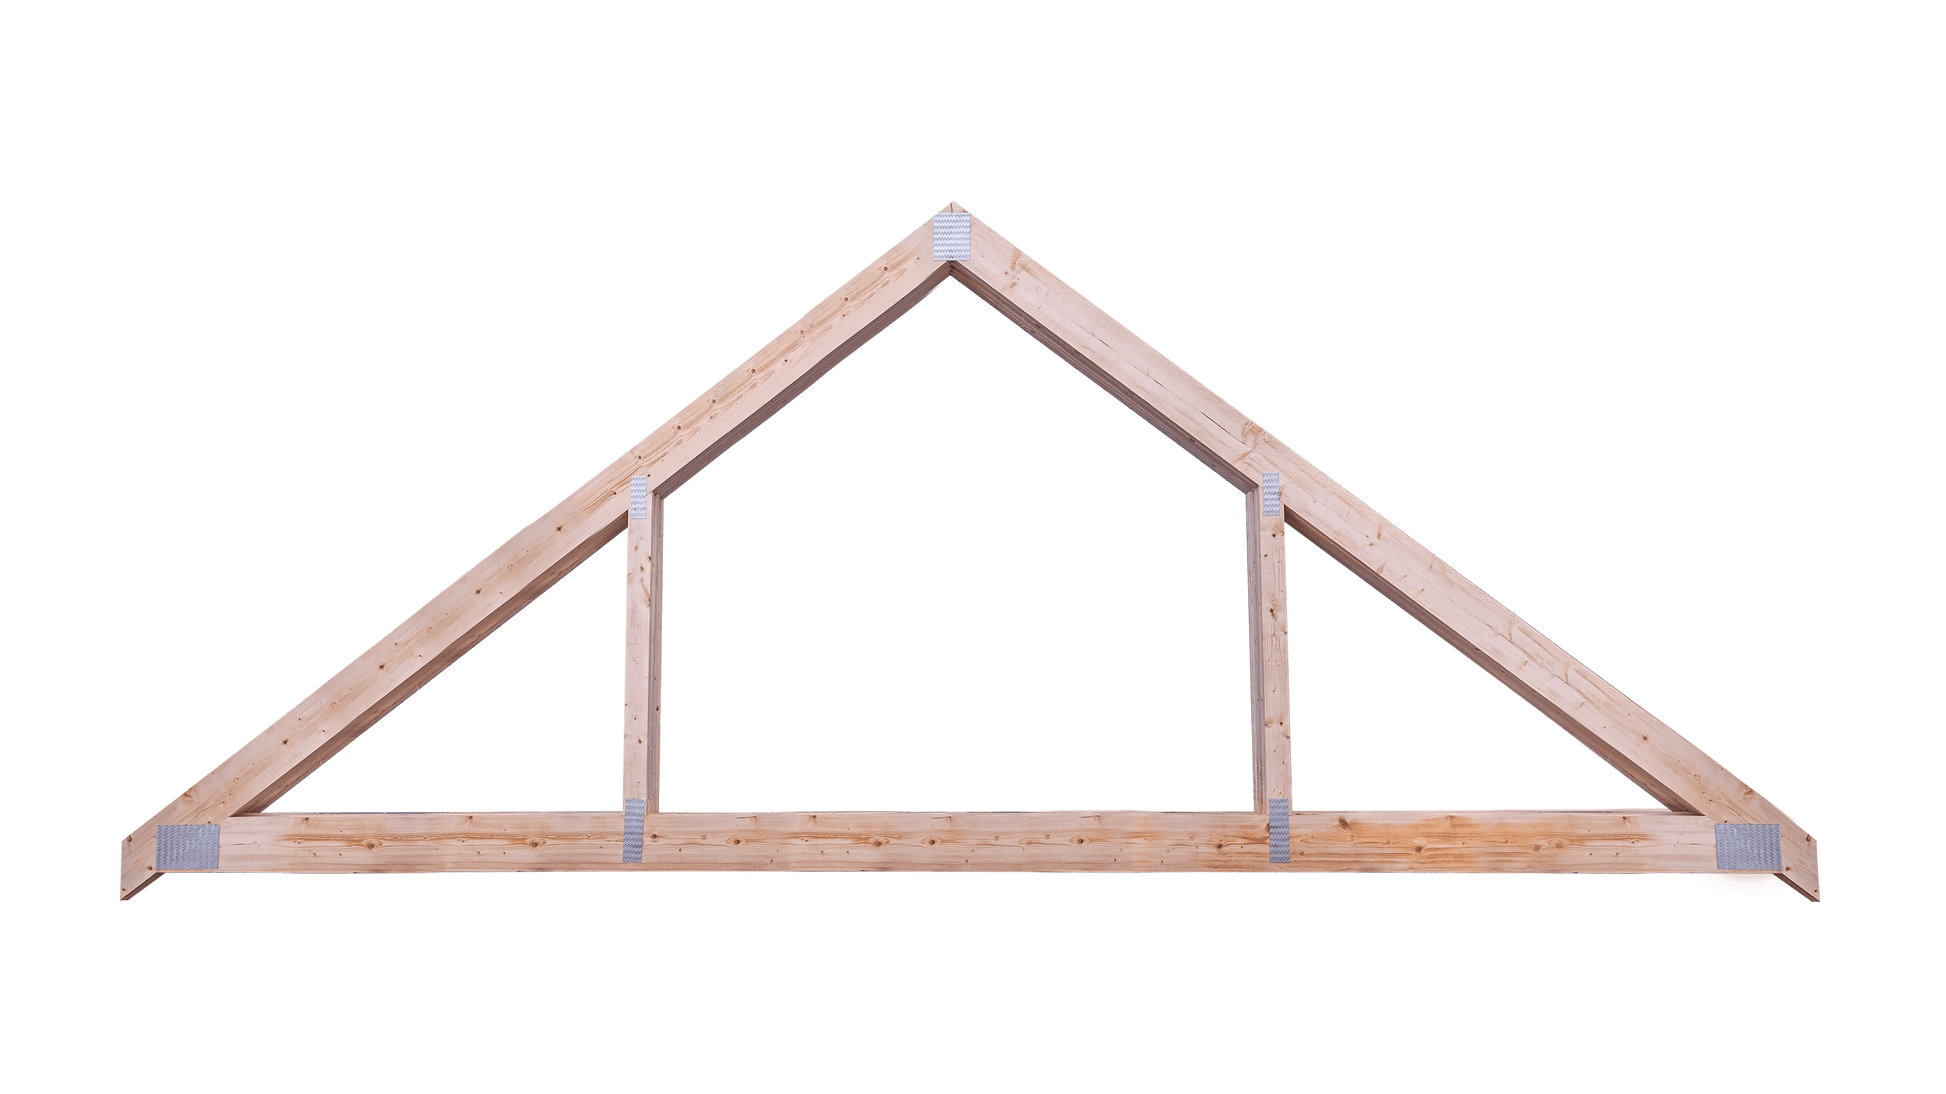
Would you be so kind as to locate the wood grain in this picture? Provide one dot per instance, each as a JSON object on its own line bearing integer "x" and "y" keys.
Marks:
{"x": 1270, "y": 671}
{"x": 1697, "y": 790}
{"x": 543, "y": 552}
{"x": 1665, "y": 764}
{"x": 1596, "y": 842}
{"x": 642, "y": 660}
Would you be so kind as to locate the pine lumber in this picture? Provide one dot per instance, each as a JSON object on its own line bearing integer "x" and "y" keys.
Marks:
{"x": 542, "y": 553}
{"x": 1698, "y": 792}
{"x": 1270, "y": 663}
{"x": 1089, "y": 842}
{"x": 1649, "y": 752}
{"x": 642, "y": 659}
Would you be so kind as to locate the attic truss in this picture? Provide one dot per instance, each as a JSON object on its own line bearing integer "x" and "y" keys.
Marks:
{"x": 1710, "y": 822}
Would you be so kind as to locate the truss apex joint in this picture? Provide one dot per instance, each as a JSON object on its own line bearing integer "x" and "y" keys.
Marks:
{"x": 952, "y": 237}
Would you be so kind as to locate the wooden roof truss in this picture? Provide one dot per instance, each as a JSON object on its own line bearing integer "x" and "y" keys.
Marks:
{"x": 1711, "y": 821}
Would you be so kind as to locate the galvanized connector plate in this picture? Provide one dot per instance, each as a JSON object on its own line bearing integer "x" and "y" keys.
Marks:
{"x": 1749, "y": 847}
{"x": 1273, "y": 494}
{"x": 638, "y": 497}
{"x": 187, "y": 846}
{"x": 1280, "y": 829}
{"x": 634, "y": 813}
{"x": 952, "y": 237}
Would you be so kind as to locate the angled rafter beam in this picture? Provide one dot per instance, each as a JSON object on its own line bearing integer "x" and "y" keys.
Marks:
{"x": 1540, "y": 842}
{"x": 1669, "y": 767}
{"x": 1657, "y": 758}
{"x": 542, "y": 553}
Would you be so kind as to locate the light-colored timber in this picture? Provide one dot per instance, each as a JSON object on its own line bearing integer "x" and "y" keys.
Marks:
{"x": 1597, "y": 842}
{"x": 1270, "y": 661}
{"x": 1657, "y": 758}
{"x": 642, "y": 659}
{"x": 1698, "y": 792}
{"x": 542, "y": 553}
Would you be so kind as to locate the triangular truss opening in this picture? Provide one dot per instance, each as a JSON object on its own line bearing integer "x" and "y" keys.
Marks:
{"x": 1389, "y": 718}
{"x": 1711, "y": 821}
{"x": 524, "y": 719}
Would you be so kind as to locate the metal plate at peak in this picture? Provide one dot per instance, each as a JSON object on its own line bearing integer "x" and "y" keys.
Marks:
{"x": 952, "y": 237}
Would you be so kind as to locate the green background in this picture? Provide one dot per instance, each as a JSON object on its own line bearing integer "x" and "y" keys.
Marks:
{"x": 1631, "y": 318}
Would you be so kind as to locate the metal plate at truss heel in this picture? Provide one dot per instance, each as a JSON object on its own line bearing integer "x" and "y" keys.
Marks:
{"x": 1280, "y": 829}
{"x": 187, "y": 846}
{"x": 1749, "y": 847}
{"x": 638, "y": 498}
{"x": 952, "y": 237}
{"x": 1273, "y": 494}
{"x": 634, "y": 812}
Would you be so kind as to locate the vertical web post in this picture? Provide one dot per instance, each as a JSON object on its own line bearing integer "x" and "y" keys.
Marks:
{"x": 642, "y": 655}
{"x": 1270, "y": 686}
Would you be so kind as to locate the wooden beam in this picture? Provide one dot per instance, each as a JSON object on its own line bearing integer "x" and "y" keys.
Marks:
{"x": 642, "y": 653}
{"x": 1270, "y": 673}
{"x": 1698, "y": 791}
{"x": 533, "y": 560}
{"x": 1596, "y": 842}
{"x": 1657, "y": 758}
